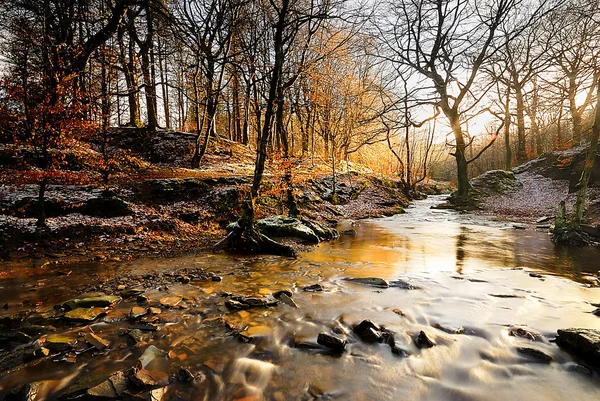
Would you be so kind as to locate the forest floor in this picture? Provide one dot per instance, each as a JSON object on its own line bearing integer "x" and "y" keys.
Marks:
{"x": 538, "y": 188}
{"x": 158, "y": 206}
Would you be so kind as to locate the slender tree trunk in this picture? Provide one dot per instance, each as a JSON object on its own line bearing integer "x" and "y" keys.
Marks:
{"x": 592, "y": 153}
{"x": 521, "y": 143}
{"x": 163, "y": 72}
{"x": 575, "y": 115}
{"x": 559, "y": 133}
{"x": 508, "y": 150}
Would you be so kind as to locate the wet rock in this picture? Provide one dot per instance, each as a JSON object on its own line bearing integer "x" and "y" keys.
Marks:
{"x": 136, "y": 335}
{"x": 523, "y": 332}
{"x": 324, "y": 233}
{"x": 242, "y": 302}
{"x": 137, "y": 312}
{"x": 332, "y": 342}
{"x": 535, "y": 354}
{"x": 170, "y": 302}
{"x": 144, "y": 379}
{"x": 36, "y": 330}
{"x": 158, "y": 394}
{"x": 255, "y": 332}
{"x": 596, "y": 312}
{"x": 35, "y": 352}
{"x": 132, "y": 292}
{"x": 112, "y": 388}
{"x": 423, "y": 341}
{"x": 59, "y": 342}
{"x": 372, "y": 281}
{"x": 27, "y": 392}
{"x": 97, "y": 342}
{"x": 154, "y": 311}
{"x": 368, "y": 331}
{"x": 149, "y": 355}
{"x": 94, "y": 300}
{"x": 350, "y": 232}
{"x": 402, "y": 284}
{"x": 535, "y": 275}
{"x": 145, "y": 327}
{"x": 184, "y": 279}
{"x": 314, "y": 288}
{"x": 142, "y": 299}
{"x": 84, "y": 314}
{"x": 577, "y": 368}
{"x": 286, "y": 227}
{"x": 583, "y": 342}
{"x": 288, "y": 301}
{"x": 395, "y": 348}
{"x": 186, "y": 375}
{"x": 216, "y": 278}
{"x": 310, "y": 346}
{"x": 277, "y": 294}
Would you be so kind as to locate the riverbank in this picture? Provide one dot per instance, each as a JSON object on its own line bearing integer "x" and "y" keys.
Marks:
{"x": 154, "y": 206}
{"x": 531, "y": 193}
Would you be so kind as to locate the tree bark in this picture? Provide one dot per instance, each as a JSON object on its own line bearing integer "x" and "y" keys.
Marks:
{"x": 583, "y": 183}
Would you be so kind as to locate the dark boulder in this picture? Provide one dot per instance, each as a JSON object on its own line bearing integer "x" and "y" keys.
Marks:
{"x": 582, "y": 342}
{"x": 110, "y": 206}
{"x": 332, "y": 342}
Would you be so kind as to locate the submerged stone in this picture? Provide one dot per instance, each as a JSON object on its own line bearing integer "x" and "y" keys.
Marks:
{"x": 535, "y": 354}
{"x": 94, "y": 300}
{"x": 288, "y": 301}
{"x": 137, "y": 312}
{"x": 99, "y": 343}
{"x": 372, "y": 281}
{"x": 170, "y": 302}
{"x": 150, "y": 354}
{"x": 59, "y": 342}
{"x": 332, "y": 342}
{"x": 144, "y": 379}
{"x": 85, "y": 314}
{"x": 111, "y": 388}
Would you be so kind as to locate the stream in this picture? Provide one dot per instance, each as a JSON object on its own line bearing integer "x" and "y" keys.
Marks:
{"x": 473, "y": 281}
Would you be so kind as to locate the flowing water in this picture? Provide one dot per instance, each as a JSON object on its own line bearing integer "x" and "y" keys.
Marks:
{"x": 471, "y": 273}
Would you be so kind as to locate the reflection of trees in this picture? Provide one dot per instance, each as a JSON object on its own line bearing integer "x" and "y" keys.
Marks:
{"x": 461, "y": 253}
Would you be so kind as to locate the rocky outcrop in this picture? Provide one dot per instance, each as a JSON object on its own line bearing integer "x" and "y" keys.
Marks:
{"x": 496, "y": 182}
{"x": 582, "y": 342}
{"x": 562, "y": 165}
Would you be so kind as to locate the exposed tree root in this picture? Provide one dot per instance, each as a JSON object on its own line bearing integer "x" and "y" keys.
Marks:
{"x": 570, "y": 234}
{"x": 249, "y": 239}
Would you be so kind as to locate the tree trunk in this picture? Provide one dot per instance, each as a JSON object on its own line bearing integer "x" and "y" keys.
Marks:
{"x": 521, "y": 143}
{"x": 583, "y": 183}
{"x": 508, "y": 150}
{"x": 575, "y": 115}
